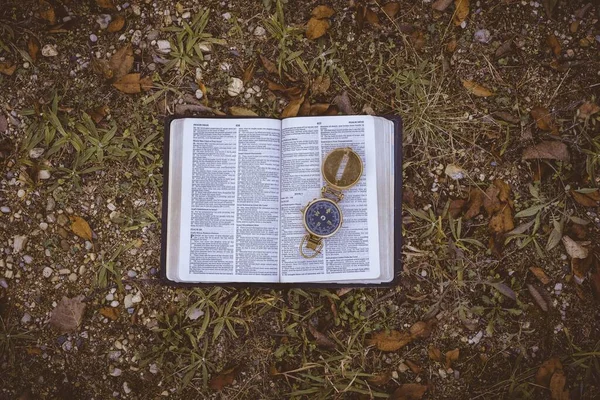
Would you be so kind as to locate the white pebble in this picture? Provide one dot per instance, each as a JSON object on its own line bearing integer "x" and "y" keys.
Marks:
{"x": 36, "y": 152}
{"x": 20, "y": 193}
{"x": 43, "y": 226}
{"x": 28, "y": 259}
{"x": 44, "y": 174}
{"x": 93, "y": 38}
{"x": 47, "y": 272}
{"x": 116, "y": 372}
{"x": 199, "y": 94}
{"x": 103, "y": 20}
{"x": 127, "y": 301}
{"x": 26, "y": 318}
{"x": 19, "y": 242}
{"x": 49, "y": 50}
{"x": 126, "y": 388}
{"x": 164, "y": 46}
{"x": 226, "y": 16}
{"x": 73, "y": 277}
{"x": 114, "y": 303}
{"x": 186, "y": 15}
{"x": 236, "y": 86}
{"x": 136, "y": 298}
{"x": 260, "y": 31}
{"x": 5, "y": 209}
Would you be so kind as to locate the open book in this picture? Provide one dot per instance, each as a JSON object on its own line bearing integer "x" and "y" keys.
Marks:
{"x": 235, "y": 187}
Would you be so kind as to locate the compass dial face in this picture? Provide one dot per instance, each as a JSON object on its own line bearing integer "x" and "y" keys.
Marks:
{"x": 322, "y": 218}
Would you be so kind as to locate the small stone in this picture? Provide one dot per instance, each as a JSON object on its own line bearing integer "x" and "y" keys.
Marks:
{"x": 136, "y": 9}
{"x": 88, "y": 245}
{"x": 126, "y": 388}
{"x": 93, "y": 38}
{"x": 103, "y": 20}
{"x": 136, "y": 37}
{"x": 194, "y": 313}
{"x": 110, "y": 297}
{"x": 164, "y": 46}
{"x": 47, "y": 272}
{"x": 62, "y": 219}
{"x": 116, "y": 372}
{"x": 26, "y": 318}
{"x": 127, "y": 301}
{"x": 8, "y": 274}
{"x": 28, "y": 259}
{"x": 442, "y": 373}
{"x": 19, "y": 242}
{"x": 260, "y": 31}
{"x": 3, "y": 283}
{"x": 131, "y": 273}
{"x": 67, "y": 346}
{"x": 558, "y": 288}
{"x": 226, "y": 16}
{"x": 114, "y": 303}
{"x": 73, "y": 277}
{"x": 402, "y": 368}
{"x": 64, "y": 271}
{"x": 5, "y": 210}
{"x": 20, "y": 193}
{"x": 455, "y": 172}
{"x": 50, "y": 204}
{"x": 49, "y": 50}
{"x": 43, "y": 226}
{"x": 113, "y": 355}
{"x": 36, "y": 152}
{"x": 236, "y": 86}
{"x": 482, "y": 36}
{"x": 186, "y": 15}
{"x": 199, "y": 94}
{"x": 205, "y": 47}
{"x": 153, "y": 369}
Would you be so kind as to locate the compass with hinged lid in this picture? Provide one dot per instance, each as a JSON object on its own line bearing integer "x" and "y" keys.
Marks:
{"x": 322, "y": 217}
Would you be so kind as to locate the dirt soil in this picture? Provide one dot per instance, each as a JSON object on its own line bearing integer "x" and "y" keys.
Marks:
{"x": 499, "y": 294}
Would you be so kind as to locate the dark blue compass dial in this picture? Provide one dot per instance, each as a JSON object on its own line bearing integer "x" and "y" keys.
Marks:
{"x": 322, "y": 218}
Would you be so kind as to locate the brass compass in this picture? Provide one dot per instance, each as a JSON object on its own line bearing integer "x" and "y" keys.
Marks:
{"x": 322, "y": 217}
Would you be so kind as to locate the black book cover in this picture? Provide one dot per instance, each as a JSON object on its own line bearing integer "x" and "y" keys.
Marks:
{"x": 397, "y": 120}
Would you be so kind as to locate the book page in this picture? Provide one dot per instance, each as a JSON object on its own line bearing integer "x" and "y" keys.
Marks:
{"x": 353, "y": 252}
{"x": 230, "y": 200}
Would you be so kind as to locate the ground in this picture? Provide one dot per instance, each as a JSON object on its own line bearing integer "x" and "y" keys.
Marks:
{"x": 500, "y": 286}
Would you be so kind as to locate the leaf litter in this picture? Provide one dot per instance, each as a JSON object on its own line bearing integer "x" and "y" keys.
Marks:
{"x": 68, "y": 313}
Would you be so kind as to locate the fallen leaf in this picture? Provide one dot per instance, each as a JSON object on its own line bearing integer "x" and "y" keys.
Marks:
{"x": 319, "y": 108}
{"x": 47, "y": 12}
{"x": 549, "y": 6}
{"x": 33, "y": 47}
{"x": 579, "y": 231}
{"x": 434, "y": 353}
{"x": 129, "y": 84}
{"x": 476, "y": 89}
{"x": 343, "y": 102}
{"x": 181, "y": 109}
{"x": 546, "y": 370}
{"x": 121, "y": 62}
{"x": 462, "y": 11}
{"x": 581, "y": 268}
{"x": 304, "y": 108}
{"x": 81, "y": 228}
{"x": 474, "y": 204}
{"x": 504, "y": 49}
{"x": 538, "y": 297}
{"x": 506, "y": 116}
{"x": 268, "y": 65}
{"x": 321, "y": 12}
{"x": 417, "y": 39}
{"x": 391, "y": 9}
{"x": 316, "y": 28}
{"x": 380, "y": 379}
{"x": 504, "y": 289}
{"x": 521, "y": 228}
{"x": 409, "y": 391}
{"x": 586, "y": 199}
{"x": 241, "y": 111}
{"x": 451, "y": 356}
{"x": 108, "y": 4}
{"x": 554, "y": 45}
{"x": 575, "y": 249}
{"x": 588, "y": 109}
{"x": 291, "y": 110}
{"x": 390, "y": 341}
{"x": 550, "y": 150}
{"x": 111, "y": 313}
{"x": 146, "y": 84}
{"x": 371, "y": 17}
{"x": 7, "y": 68}
{"x": 456, "y": 207}
{"x": 33, "y": 351}
{"x": 441, "y": 5}
{"x": 543, "y": 119}
{"x": 98, "y": 113}
{"x": 503, "y": 190}
{"x": 116, "y": 24}
{"x": 67, "y": 314}
{"x": 540, "y": 275}
{"x": 223, "y": 378}
{"x": 320, "y": 85}
{"x": 249, "y": 72}
{"x": 414, "y": 367}
{"x": 557, "y": 386}
{"x": 420, "y": 330}
{"x": 321, "y": 339}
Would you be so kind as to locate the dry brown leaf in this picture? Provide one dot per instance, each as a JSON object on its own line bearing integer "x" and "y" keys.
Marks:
{"x": 539, "y": 298}
{"x": 268, "y": 65}
{"x": 503, "y": 190}
{"x": 321, "y": 12}
{"x": 129, "y": 84}
{"x": 554, "y": 44}
{"x": 557, "y": 386}
{"x": 7, "y": 68}
{"x": 390, "y": 341}
{"x": 320, "y": 85}
{"x": 434, "y": 353}
{"x": 462, "y": 11}
{"x": 502, "y": 221}
{"x": 575, "y": 249}
{"x": 474, "y": 204}
{"x": 242, "y": 112}
{"x": 540, "y": 274}
{"x": 319, "y": 108}
{"x": 316, "y": 28}
{"x": 417, "y": 39}
{"x": 116, "y": 24}
{"x": 505, "y": 49}
{"x": 452, "y": 356}
{"x": 146, "y": 84}
{"x": 588, "y": 109}
{"x": 343, "y": 102}
{"x": 391, "y": 9}
{"x": 81, "y": 228}
{"x": 491, "y": 202}
{"x": 291, "y": 110}
{"x": 33, "y": 47}
{"x": 98, "y": 113}
{"x": 586, "y": 199}
{"x": 550, "y": 150}
{"x": 380, "y": 379}
{"x": 543, "y": 119}
{"x": 371, "y": 17}
{"x": 121, "y": 62}
{"x": 420, "y": 330}
{"x": 581, "y": 267}
{"x": 414, "y": 367}
{"x": 47, "y": 12}
{"x": 441, "y": 5}
{"x": 409, "y": 391}
{"x": 321, "y": 339}
{"x": 67, "y": 314}
{"x": 506, "y": 116}
{"x": 304, "y": 108}
{"x": 111, "y": 313}
{"x": 546, "y": 370}
{"x": 249, "y": 72}
{"x": 476, "y": 89}
{"x": 456, "y": 207}
{"x": 108, "y": 4}
{"x": 223, "y": 378}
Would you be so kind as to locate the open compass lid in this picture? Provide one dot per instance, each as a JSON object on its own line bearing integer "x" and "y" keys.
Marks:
{"x": 342, "y": 168}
